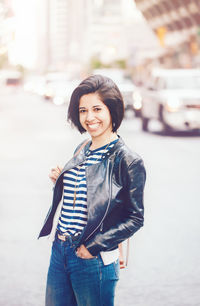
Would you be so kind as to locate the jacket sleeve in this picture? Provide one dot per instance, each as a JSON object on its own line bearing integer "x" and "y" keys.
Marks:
{"x": 133, "y": 212}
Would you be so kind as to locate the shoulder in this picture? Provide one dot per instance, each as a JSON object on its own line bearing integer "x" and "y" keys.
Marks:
{"x": 81, "y": 146}
{"x": 126, "y": 156}
{"x": 129, "y": 166}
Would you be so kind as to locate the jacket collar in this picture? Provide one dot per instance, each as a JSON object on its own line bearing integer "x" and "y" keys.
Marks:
{"x": 76, "y": 160}
{"x": 116, "y": 146}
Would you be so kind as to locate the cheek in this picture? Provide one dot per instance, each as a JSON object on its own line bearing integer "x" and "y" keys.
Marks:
{"x": 81, "y": 119}
{"x": 107, "y": 118}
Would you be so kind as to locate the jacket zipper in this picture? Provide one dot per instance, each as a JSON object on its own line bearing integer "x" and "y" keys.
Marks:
{"x": 101, "y": 223}
{"x": 67, "y": 170}
{"x": 62, "y": 172}
{"x": 50, "y": 210}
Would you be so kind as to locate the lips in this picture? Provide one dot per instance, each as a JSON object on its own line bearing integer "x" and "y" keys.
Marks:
{"x": 93, "y": 126}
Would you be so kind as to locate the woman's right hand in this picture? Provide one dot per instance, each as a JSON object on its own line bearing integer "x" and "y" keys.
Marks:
{"x": 54, "y": 174}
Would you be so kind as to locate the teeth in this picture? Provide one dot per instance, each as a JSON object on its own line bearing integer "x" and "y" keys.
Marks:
{"x": 93, "y": 126}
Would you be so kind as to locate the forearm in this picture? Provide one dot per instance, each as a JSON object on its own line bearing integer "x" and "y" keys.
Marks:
{"x": 131, "y": 217}
{"x": 106, "y": 242}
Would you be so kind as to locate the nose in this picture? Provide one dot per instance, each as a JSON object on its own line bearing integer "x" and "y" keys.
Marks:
{"x": 90, "y": 116}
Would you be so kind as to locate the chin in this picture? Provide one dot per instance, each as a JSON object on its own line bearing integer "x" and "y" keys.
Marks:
{"x": 95, "y": 133}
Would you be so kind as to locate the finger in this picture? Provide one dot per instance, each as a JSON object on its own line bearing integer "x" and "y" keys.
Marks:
{"x": 55, "y": 171}
{"x": 59, "y": 168}
{"x": 53, "y": 175}
{"x": 121, "y": 264}
{"x": 79, "y": 254}
{"x": 52, "y": 179}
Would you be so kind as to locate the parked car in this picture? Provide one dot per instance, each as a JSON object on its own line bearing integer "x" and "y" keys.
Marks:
{"x": 62, "y": 91}
{"x": 59, "y": 87}
{"x": 173, "y": 98}
{"x": 35, "y": 84}
{"x": 130, "y": 93}
{"x": 131, "y": 96}
{"x": 10, "y": 78}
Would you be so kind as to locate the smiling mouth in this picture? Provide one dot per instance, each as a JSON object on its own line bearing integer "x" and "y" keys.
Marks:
{"x": 93, "y": 126}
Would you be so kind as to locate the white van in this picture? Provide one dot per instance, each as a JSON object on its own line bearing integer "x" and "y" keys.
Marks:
{"x": 172, "y": 96}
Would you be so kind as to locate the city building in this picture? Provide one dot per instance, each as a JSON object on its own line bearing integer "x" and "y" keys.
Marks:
{"x": 66, "y": 35}
{"x": 105, "y": 30}
{"x": 177, "y": 26}
{"x": 113, "y": 32}
{"x": 6, "y": 31}
{"x": 60, "y": 32}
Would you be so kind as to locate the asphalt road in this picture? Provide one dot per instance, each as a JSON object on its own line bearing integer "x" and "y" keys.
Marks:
{"x": 164, "y": 264}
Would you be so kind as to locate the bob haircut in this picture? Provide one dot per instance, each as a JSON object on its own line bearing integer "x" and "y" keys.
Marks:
{"x": 107, "y": 91}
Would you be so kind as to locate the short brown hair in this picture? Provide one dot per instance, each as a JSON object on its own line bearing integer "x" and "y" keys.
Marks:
{"x": 108, "y": 92}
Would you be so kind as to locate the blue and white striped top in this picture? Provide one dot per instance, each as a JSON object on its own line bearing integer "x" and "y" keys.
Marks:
{"x": 73, "y": 218}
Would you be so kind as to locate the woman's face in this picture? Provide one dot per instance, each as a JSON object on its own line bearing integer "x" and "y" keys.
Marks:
{"x": 94, "y": 116}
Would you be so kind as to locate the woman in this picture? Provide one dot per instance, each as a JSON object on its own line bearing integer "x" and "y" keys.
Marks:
{"x": 102, "y": 188}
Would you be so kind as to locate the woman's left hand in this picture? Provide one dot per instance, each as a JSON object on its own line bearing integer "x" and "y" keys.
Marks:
{"x": 121, "y": 257}
{"x": 83, "y": 252}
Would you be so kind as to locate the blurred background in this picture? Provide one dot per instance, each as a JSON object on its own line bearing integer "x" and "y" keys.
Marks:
{"x": 151, "y": 49}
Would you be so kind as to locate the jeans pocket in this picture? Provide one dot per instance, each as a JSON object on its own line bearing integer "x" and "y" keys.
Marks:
{"x": 116, "y": 268}
{"x": 86, "y": 259}
{"x": 110, "y": 271}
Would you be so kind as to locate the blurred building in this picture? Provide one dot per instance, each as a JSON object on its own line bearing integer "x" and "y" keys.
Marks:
{"x": 59, "y": 28}
{"x": 141, "y": 41}
{"x": 78, "y": 30}
{"x": 114, "y": 32}
{"x": 105, "y": 30}
{"x": 108, "y": 30}
{"x": 64, "y": 35}
{"x": 6, "y": 30}
{"x": 177, "y": 26}
{"x": 64, "y": 23}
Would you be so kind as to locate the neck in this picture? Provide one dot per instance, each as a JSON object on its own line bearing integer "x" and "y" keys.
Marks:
{"x": 102, "y": 140}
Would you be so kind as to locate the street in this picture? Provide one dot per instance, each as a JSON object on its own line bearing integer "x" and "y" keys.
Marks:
{"x": 164, "y": 260}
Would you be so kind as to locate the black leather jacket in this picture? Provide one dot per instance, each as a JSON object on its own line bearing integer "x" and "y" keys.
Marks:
{"x": 114, "y": 198}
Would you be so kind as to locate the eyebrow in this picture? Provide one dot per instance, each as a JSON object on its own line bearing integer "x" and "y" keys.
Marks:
{"x": 82, "y": 107}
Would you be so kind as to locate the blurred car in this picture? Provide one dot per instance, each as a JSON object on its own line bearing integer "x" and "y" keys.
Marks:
{"x": 132, "y": 97}
{"x": 58, "y": 87}
{"x": 60, "y": 92}
{"x": 173, "y": 98}
{"x": 130, "y": 93}
{"x": 10, "y": 78}
{"x": 35, "y": 84}
{"x": 54, "y": 87}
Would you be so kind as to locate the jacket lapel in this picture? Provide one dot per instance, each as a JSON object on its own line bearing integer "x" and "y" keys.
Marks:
{"x": 75, "y": 160}
{"x": 98, "y": 203}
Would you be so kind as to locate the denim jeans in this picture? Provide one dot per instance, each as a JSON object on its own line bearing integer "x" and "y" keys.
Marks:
{"x": 73, "y": 281}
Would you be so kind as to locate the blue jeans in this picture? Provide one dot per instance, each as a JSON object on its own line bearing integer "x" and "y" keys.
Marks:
{"x": 73, "y": 281}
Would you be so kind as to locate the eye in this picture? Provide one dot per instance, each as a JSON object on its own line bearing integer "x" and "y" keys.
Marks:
{"x": 97, "y": 109}
{"x": 81, "y": 111}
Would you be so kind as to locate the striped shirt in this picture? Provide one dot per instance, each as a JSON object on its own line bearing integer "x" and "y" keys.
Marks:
{"x": 73, "y": 217}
